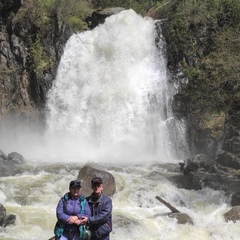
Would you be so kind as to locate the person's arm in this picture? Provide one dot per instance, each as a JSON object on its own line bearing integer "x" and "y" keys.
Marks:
{"x": 83, "y": 218}
{"x": 104, "y": 214}
{"x": 61, "y": 215}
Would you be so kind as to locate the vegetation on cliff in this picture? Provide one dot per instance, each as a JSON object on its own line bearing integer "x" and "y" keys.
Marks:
{"x": 203, "y": 38}
{"x": 207, "y": 39}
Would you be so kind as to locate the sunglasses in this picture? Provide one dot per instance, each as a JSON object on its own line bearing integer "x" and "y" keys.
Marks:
{"x": 75, "y": 187}
{"x": 96, "y": 185}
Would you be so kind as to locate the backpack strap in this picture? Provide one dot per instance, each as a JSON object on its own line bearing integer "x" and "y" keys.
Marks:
{"x": 82, "y": 201}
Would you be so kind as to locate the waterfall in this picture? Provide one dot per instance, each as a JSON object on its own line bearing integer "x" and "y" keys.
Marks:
{"x": 111, "y": 98}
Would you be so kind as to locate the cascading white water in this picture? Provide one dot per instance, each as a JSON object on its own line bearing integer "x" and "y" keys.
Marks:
{"x": 112, "y": 94}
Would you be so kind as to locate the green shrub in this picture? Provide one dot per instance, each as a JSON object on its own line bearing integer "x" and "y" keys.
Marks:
{"x": 39, "y": 58}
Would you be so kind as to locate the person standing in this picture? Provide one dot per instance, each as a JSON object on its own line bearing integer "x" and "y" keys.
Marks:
{"x": 72, "y": 213}
{"x": 100, "y": 221}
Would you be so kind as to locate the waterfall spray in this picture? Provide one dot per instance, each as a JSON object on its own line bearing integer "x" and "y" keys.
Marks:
{"x": 112, "y": 94}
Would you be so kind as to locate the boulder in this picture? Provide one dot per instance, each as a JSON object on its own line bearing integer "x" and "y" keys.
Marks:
{"x": 2, "y": 212}
{"x": 202, "y": 171}
{"x": 182, "y": 218}
{"x": 5, "y": 219}
{"x": 99, "y": 17}
{"x": 3, "y": 156}
{"x": 228, "y": 159}
{"x": 11, "y": 165}
{"x": 16, "y": 157}
{"x": 233, "y": 214}
{"x": 235, "y": 201}
{"x": 87, "y": 173}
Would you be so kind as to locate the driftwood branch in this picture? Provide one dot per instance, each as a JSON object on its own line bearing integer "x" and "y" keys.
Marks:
{"x": 173, "y": 209}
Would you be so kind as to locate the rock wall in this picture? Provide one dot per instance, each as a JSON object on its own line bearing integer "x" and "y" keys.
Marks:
{"x": 22, "y": 88}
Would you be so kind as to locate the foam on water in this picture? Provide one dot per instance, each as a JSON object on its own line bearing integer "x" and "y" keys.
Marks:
{"x": 136, "y": 212}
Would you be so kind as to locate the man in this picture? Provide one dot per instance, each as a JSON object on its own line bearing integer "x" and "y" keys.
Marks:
{"x": 72, "y": 213}
{"x": 100, "y": 222}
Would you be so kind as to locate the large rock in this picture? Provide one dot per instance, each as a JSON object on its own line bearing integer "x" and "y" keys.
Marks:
{"x": 99, "y": 17}
{"x": 4, "y": 218}
{"x": 16, "y": 157}
{"x": 209, "y": 173}
{"x": 3, "y": 156}
{"x": 87, "y": 173}
{"x": 233, "y": 214}
{"x": 182, "y": 218}
{"x": 11, "y": 165}
{"x": 228, "y": 159}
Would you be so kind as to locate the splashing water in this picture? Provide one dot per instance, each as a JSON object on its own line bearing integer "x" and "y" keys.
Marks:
{"x": 111, "y": 98}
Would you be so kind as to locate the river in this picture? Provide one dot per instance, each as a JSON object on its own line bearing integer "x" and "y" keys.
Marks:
{"x": 110, "y": 105}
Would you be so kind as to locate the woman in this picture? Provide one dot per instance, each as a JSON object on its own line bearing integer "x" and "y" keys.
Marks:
{"x": 72, "y": 214}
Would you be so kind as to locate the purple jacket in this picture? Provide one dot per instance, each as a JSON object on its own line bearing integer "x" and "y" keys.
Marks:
{"x": 71, "y": 207}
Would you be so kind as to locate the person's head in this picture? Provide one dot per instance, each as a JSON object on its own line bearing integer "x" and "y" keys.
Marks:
{"x": 97, "y": 186}
{"x": 75, "y": 188}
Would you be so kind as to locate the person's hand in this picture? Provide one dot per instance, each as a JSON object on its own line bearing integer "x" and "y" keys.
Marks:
{"x": 84, "y": 219}
{"x": 78, "y": 222}
{"x": 72, "y": 219}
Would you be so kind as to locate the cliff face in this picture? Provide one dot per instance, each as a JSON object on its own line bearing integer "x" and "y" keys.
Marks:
{"x": 201, "y": 48}
{"x": 14, "y": 79}
{"x": 23, "y": 86}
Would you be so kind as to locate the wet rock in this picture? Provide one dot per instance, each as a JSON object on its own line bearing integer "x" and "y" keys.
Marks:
{"x": 99, "y": 17}
{"x": 228, "y": 159}
{"x": 16, "y": 157}
{"x": 190, "y": 181}
{"x": 205, "y": 172}
{"x": 88, "y": 172}
{"x": 5, "y": 219}
{"x": 235, "y": 201}
{"x": 182, "y": 218}
{"x": 8, "y": 220}
{"x": 157, "y": 176}
{"x": 10, "y": 165}
{"x": 233, "y": 214}
{"x": 3, "y": 156}
{"x": 124, "y": 222}
{"x": 2, "y": 212}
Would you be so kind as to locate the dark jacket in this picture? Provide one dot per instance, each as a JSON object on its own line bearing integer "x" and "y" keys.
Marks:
{"x": 100, "y": 223}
